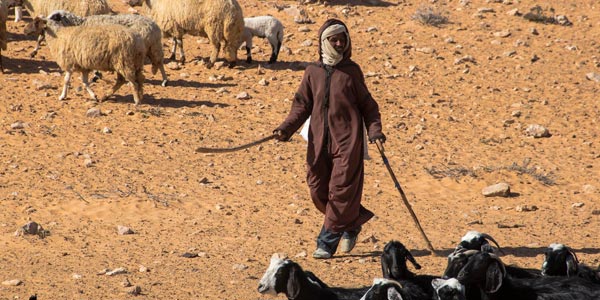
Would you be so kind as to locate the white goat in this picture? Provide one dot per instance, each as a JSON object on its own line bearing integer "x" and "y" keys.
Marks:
{"x": 144, "y": 26}
{"x": 85, "y": 48}
{"x": 264, "y": 27}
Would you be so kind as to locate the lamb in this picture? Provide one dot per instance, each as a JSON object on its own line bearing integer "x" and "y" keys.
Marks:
{"x": 78, "y": 7}
{"x": 84, "y": 48}
{"x": 144, "y": 26}
{"x": 3, "y": 32}
{"x": 560, "y": 260}
{"x": 487, "y": 272}
{"x": 263, "y": 26}
{"x": 221, "y": 21}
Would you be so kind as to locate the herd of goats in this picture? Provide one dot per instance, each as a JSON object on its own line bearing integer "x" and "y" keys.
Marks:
{"x": 474, "y": 272}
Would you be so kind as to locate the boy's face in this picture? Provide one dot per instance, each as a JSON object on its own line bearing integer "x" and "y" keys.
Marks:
{"x": 338, "y": 42}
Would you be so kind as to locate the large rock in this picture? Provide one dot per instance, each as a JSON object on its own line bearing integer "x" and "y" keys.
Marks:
{"x": 497, "y": 190}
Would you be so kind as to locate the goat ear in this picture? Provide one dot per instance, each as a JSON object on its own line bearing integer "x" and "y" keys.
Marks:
{"x": 293, "y": 284}
{"x": 412, "y": 260}
{"x": 571, "y": 265}
{"x": 393, "y": 294}
{"x": 385, "y": 265}
{"x": 493, "y": 277}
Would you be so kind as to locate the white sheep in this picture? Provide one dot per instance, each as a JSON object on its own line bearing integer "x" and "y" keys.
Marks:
{"x": 221, "y": 21}
{"x": 144, "y": 26}
{"x": 264, "y": 27}
{"x": 3, "y": 33}
{"x": 103, "y": 47}
{"x": 78, "y": 7}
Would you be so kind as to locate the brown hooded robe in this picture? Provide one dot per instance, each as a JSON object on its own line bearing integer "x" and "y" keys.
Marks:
{"x": 339, "y": 102}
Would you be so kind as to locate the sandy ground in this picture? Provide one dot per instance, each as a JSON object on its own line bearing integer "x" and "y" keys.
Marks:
{"x": 453, "y": 127}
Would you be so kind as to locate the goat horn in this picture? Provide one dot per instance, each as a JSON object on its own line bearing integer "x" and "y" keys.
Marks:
{"x": 489, "y": 237}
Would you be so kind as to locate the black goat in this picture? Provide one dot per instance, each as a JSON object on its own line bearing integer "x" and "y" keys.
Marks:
{"x": 561, "y": 261}
{"x": 393, "y": 265}
{"x": 448, "y": 289}
{"x": 458, "y": 259}
{"x": 488, "y": 273}
{"x": 286, "y": 276}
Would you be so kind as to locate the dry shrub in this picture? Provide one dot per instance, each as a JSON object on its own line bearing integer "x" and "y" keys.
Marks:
{"x": 429, "y": 16}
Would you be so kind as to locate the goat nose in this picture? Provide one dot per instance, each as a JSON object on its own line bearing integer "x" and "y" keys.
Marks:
{"x": 261, "y": 287}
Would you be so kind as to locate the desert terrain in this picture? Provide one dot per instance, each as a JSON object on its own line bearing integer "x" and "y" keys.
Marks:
{"x": 456, "y": 101}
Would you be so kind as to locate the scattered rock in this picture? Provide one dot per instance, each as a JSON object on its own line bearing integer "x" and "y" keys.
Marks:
{"x": 588, "y": 189}
{"x": 240, "y": 267}
{"x": 307, "y": 43}
{"x": 426, "y": 50}
{"x": 484, "y": 10}
{"x": 525, "y": 208}
{"x": 77, "y": 276}
{"x": 593, "y": 76}
{"x": 497, "y": 190}
{"x": 513, "y": 12}
{"x": 17, "y": 125}
{"x": 88, "y": 162}
{"x": 143, "y": 269}
{"x": 577, "y": 205}
{"x": 243, "y": 96}
{"x": 93, "y": 112}
{"x": 502, "y": 34}
{"x": 189, "y": 255}
{"x": 125, "y": 283}
{"x": 301, "y": 254}
{"x": 370, "y": 239}
{"x": 174, "y": 66}
{"x": 13, "y": 282}
{"x": 372, "y": 29}
{"x": 43, "y": 85}
{"x": 537, "y": 131}
{"x": 134, "y": 290}
{"x": 116, "y": 271}
{"x": 123, "y": 230}
{"x": 464, "y": 59}
{"x": 303, "y": 29}
{"x": 263, "y": 82}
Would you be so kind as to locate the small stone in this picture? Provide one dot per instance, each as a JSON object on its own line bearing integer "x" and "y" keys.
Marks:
{"x": 525, "y": 208}
{"x": 106, "y": 130}
{"x": 516, "y": 113}
{"x": 426, "y": 50}
{"x": 577, "y": 205}
{"x": 77, "y": 276}
{"x": 502, "y": 34}
{"x": 263, "y": 82}
{"x": 143, "y": 269}
{"x": 484, "y": 10}
{"x": 17, "y": 125}
{"x": 307, "y": 43}
{"x": 173, "y": 65}
{"x": 189, "y": 255}
{"x": 372, "y": 29}
{"x": 243, "y": 96}
{"x": 124, "y": 230}
{"x": 116, "y": 271}
{"x": 513, "y": 12}
{"x": 93, "y": 112}
{"x": 32, "y": 228}
{"x": 126, "y": 283}
{"x": 88, "y": 162}
{"x": 13, "y": 282}
{"x": 303, "y": 29}
{"x": 134, "y": 290}
{"x": 301, "y": 254}
{"x": 240, "y": 267}
{"x": 593, "y": 76}
{"x": 588, "y": 189}
{"x": 464, "y": 59}
{"x": 537, "y": 131}
{"x": 497, "y": 190}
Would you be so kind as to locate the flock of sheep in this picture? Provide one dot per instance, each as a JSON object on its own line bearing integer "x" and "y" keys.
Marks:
{"x": 474, "y": 272}
{"x": 86, "y": 36}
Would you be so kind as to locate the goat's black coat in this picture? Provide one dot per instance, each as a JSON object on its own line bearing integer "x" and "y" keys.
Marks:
{"x": 295, "y": 283}
{"x": 487, "y": 273}
{"x": 407, "y": 290}
{"x": 564, "y": 262}
{"x": 393, "y": 265}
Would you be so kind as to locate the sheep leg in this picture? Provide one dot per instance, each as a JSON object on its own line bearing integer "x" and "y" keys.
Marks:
{"x": 181, "y": 52}
{"x": 18, "y": 13}
{"x": 97, "y": 76}
{"x": 38, "y": 45}
{"x": 274, "y": 52}
{"x": 164, "y": 75}
{"x": 120, "y": 81}
{"x": 174, "y": 49}
{"x": 138, "y": 87}
{"x": 215, "y": 51}
{"x": 248, "y": 55}
{"x": 86, "y": 84}
{"x": 63, "y": 95}
{"x": 1, "y": 66}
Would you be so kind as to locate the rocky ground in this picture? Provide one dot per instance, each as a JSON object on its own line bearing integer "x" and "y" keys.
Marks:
{"x": 457, "y": 102}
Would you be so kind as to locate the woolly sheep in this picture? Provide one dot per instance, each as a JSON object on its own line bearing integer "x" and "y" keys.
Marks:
{"x": 3, "y": 33}
{"x": 264, "y": 27}
{"x": 78, "y": 7}
{"x": 219, "y": 20}
{"x": 144, "y": 26}
{"x": 85, "y": 48}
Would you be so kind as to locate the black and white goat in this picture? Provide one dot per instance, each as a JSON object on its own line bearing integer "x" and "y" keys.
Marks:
{"x": 458, "y": 259}
{"x": 560, "y": 260}
{"x": 448, "y": 289}
{"x": 488, "y": 273}
{"x": 475, "y": 240}
{"x": 393, "y": 266}
{"x": 286, "y": 276}
{"x": 389, "y": 289}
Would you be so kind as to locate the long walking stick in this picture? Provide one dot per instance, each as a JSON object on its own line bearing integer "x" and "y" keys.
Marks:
{"x": 231, "y": 149}
{"x": 397, "y": 184}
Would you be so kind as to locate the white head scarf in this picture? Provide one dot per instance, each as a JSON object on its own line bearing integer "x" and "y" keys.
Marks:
{"x": 330, "y": 56}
